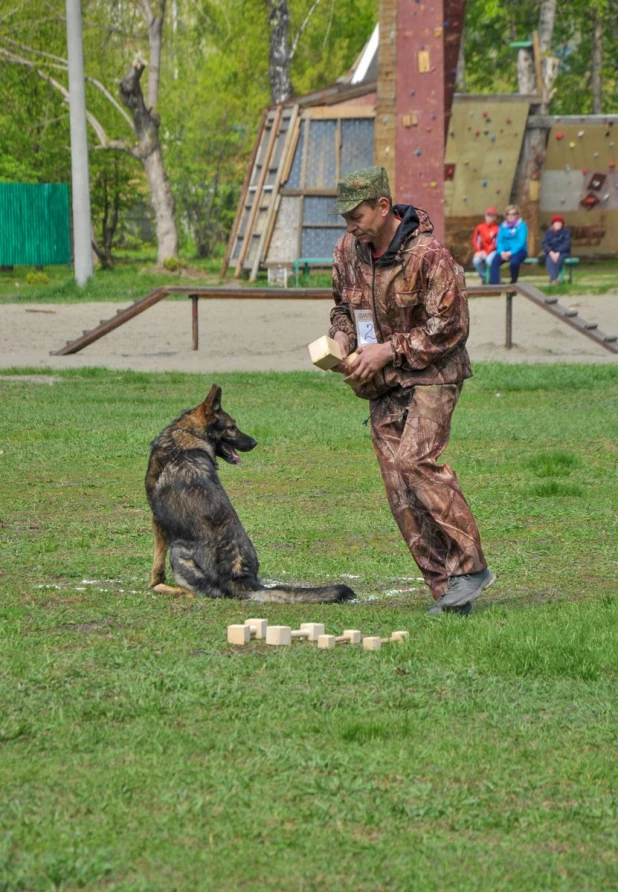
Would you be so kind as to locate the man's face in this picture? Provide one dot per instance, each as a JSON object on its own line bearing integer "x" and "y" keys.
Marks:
{"x": 490, "y": 218}
{"x": 366, "y": 222}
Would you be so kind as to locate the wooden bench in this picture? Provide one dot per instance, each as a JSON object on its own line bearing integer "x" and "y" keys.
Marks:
{"x": 306, "y": 262}
{"x": 569, "y": 263}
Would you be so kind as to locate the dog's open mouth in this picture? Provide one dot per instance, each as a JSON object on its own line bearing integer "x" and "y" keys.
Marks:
{"x": 228, "y": 453}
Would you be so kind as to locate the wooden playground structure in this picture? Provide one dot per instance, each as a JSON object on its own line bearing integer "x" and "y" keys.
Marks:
{"x": 550, "y": 304}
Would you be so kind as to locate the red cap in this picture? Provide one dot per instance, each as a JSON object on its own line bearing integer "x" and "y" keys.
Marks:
{"x": 557, "y": 218}
{"x": 492, "y": 211}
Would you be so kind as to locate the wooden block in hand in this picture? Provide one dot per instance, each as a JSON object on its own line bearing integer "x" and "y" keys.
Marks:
{"x": 238, "y": 635}
{"x": 257, "y": 627}
{"x": 279, "y": 635}
{"x": 325, "y": 353}
{"x": 351, "y": 361}
{"x": 372, "y": 643}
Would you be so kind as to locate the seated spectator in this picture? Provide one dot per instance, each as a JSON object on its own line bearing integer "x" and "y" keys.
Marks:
{"x": 484, "y": 243}
{"x": 556, "y": 246}
{"x": 511, "y": 245}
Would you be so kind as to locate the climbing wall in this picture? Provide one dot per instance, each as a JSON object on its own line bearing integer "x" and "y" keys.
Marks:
{"x": 482, "y": 150}
{"x": 580, "y": 181}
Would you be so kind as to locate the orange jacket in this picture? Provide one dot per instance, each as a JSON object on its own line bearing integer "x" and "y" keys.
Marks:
{"x": 484, "y": 238}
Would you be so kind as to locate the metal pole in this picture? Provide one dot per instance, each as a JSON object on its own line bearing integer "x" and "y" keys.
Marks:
{"x": 82, "y": 246}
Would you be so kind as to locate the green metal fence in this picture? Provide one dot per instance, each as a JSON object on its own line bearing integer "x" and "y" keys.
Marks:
{"x": 34, "y": 224}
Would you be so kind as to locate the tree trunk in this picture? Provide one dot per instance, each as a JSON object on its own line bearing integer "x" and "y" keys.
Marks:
{"x": 148, "y": 151}
{"x": 460, "y": 77}
{"x": 596, "y": 80}
{"x": 279, "y": 70}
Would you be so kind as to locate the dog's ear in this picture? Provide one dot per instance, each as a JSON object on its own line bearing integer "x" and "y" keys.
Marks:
{"x": 212, "y": 403}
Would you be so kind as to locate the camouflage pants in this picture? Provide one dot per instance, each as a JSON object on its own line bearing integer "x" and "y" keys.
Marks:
{"x": 409, "y": 433}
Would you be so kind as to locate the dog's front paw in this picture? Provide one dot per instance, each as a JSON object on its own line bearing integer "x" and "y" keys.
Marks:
{"x": 156, "y": 579}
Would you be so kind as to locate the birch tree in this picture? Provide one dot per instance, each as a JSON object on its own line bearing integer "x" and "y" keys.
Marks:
{"x": 281, "y": 52}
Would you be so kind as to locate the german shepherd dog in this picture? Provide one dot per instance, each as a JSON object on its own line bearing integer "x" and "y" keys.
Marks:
{"x": 193, "y": 518}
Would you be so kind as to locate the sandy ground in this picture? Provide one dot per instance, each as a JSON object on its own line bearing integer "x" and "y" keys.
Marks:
{"x": 261, "y": 335}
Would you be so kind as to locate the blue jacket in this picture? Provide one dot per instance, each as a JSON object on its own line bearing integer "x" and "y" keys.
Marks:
{"x": 512, "y": 238}
{"x": 559, "y": 240}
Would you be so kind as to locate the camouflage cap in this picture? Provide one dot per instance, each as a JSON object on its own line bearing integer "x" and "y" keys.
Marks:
{"x": 360, "y": 185}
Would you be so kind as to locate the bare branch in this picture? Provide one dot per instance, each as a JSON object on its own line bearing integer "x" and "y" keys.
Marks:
{"x": 147, "y": 12}
{"x": 61, "y": 65}
{"x": 110, "y": 98}
{"x": 330, "y": 22}
{"x": 301, "y": 30}
{"x": 33, "y": 52}
{"x": 19, "y": 60}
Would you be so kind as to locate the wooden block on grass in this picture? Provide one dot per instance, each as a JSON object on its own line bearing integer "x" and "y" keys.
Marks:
{"x": 349, "y": 636}
{"x": 314, "y": 630}
{"x": 400, "y": 636}
{"x": 238, "y": 635}
{"x": 279, "y": 636}
{"x": 371, "y": 642}
{"x": 327, "y": 642}
{"x": 257, "y": 627}
{"x": 309, "y": 631}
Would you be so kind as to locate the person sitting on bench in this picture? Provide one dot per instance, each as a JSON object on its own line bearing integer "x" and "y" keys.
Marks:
{"x": 484, "y": 243}
{"x": 510, "y": 245}
{"x": 556, "y": 246}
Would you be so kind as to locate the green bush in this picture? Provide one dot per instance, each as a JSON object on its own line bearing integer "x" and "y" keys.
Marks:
{"x": 174, "y": 264}
{"x": 37, "y": 278}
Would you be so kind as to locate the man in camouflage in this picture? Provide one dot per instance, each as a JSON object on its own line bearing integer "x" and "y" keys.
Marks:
{"x": 401, "y": 304}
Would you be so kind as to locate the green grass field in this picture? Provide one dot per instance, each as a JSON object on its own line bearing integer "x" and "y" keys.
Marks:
{"x": 138, "y": 751}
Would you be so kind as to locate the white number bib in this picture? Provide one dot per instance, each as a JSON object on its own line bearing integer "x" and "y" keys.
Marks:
{"x": 365, "y": 328}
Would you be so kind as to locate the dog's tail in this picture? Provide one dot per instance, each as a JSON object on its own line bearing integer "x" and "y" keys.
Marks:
{"x": 291, "y": 594}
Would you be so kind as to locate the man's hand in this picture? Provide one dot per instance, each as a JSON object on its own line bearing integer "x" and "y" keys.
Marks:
{"x": 505, "y": 255}
{"x": 342, "y": 339}
{"x": 554, "y": 255}
{"x": 371, "y": 359}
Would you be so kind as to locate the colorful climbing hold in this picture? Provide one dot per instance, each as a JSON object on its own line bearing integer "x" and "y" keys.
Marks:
{"x": 484, "y": 183}
{"x": 417, "y": 152}
{"x": 571, "y": 145}
{"x": 560, "y": 135}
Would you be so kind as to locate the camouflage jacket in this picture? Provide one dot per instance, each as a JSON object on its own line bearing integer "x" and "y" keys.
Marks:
{"x": 417, "y": 296}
